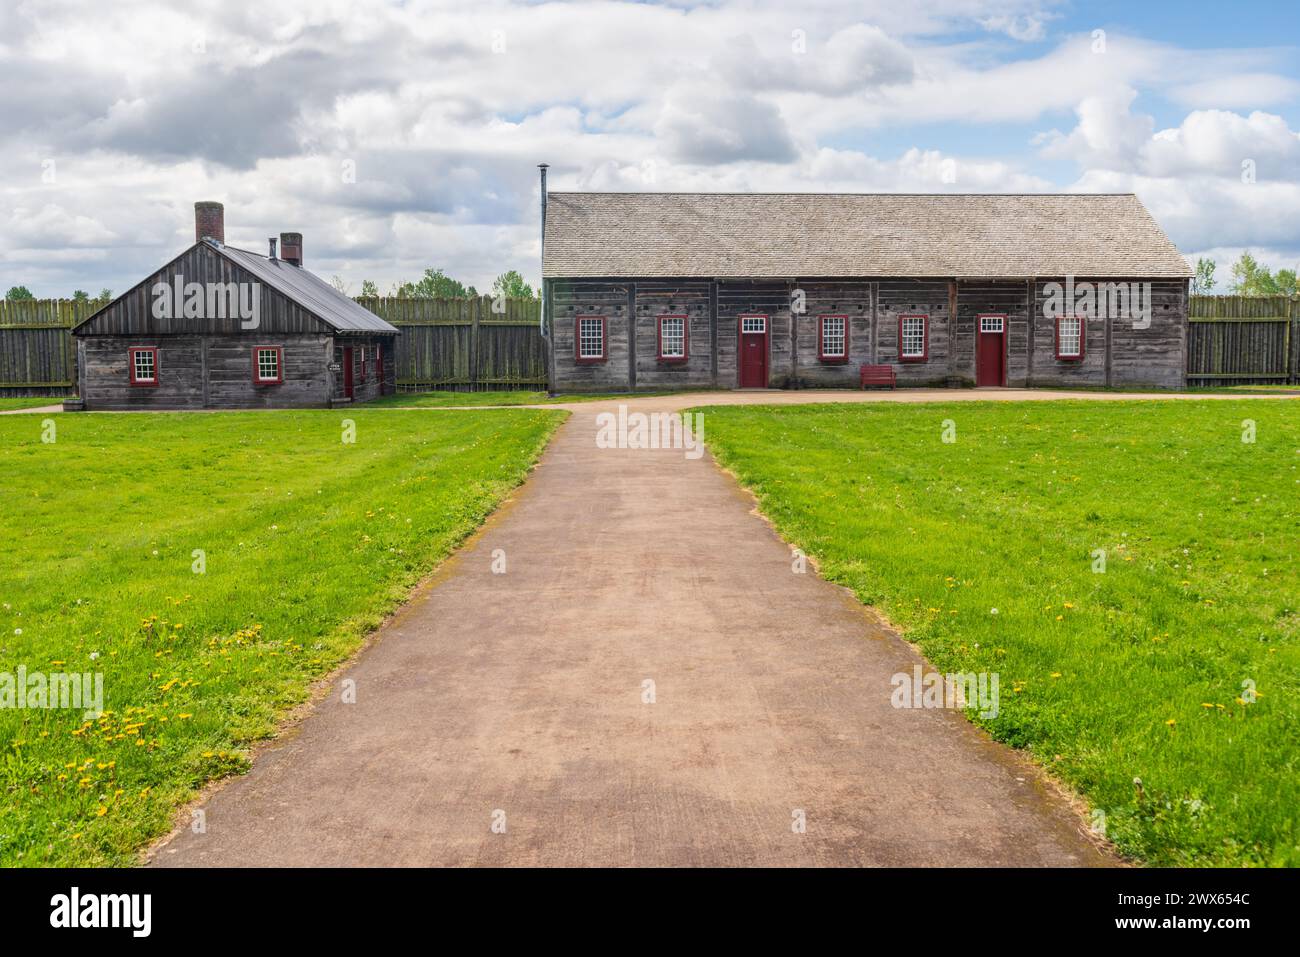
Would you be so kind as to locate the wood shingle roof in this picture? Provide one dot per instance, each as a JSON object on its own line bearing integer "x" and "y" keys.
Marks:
{"x": 787, "y": 235}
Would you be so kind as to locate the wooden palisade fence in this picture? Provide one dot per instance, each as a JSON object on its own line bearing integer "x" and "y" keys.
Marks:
{"x": 463, "y": 344}
{"x": 1243, "y": 340}
{"x": 460, "y": 344}
{"x": 37, "y": 356}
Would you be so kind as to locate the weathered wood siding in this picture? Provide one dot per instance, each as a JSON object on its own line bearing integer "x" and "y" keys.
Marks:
{"x": 572, "y": 299}
{"x": 1009, "y": 299}
{"x": 1155, "y": 356}
{"x": 367, "y": 382}
{"x": 690, "y": 298}
{"x": 913, "y": 297}
{"x": 848, "y": 298}
{"x": 1117, "y": 352}
{"x": 132, "y": 314}
{"x": 198, "y": 372}
{"x": 738, "y": 298}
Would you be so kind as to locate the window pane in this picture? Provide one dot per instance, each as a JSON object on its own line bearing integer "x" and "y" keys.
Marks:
{"x": 143, "y": 360}
{"x": 833, "y": 335}
{"x": 1071, "y": 336}
{"x": 753, "y": 324}
{"x": 268, "y": 364}
{"x": 672, "y": 337}
{"x": 913, "y": 336}
{"x": 591, "y": 338}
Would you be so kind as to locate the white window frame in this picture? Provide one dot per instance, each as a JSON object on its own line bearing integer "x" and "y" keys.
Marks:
{"x": 584, "y": 337}
{"x": 134, "y": 353}
{"x": 1080, "y": 326}
{"x": 678, "y": 338}
{"x": 824, "y": 352}
{"x": 992, "y": 323}
{"x": 760, "y": 321}
{"x": 922, "y": 338}
{"x": 277, "y": 375}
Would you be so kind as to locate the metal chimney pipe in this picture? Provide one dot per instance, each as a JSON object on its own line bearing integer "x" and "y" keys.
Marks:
{"x": 271, "y": 243}
{"x": 541, "y": 313}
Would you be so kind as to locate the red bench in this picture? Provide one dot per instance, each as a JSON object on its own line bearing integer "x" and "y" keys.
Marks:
{"x": 877, "y": 375}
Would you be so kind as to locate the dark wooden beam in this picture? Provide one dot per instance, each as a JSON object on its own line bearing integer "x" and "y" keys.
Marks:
{"x": 631, "y": 336}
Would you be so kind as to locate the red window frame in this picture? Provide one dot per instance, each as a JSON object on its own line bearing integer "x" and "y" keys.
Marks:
{"x": 577, "y": 341}
{"x": 1083, "y": 339}
{"x": 821, "y": 339}
{"x": 279, "y": 365}
{"x": 686, "y": 338}
{"x": 130, "y": 366}
{"x": 925, "y": 338}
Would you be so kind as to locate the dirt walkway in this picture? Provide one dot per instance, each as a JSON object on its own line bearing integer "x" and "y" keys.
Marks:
{"x": 520, "y": 699}
{"x": 34, "y": 409}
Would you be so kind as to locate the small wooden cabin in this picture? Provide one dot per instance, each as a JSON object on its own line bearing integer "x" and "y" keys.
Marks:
{"x": 224, "y": 328}
{"x": 723, "y": 290}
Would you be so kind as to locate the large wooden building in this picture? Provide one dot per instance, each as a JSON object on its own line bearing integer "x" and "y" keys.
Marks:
{"x": 651, "y": 291}
{"x": 224, "y": 328}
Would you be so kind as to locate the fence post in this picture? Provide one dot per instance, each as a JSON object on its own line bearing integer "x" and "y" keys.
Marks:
{"x": 473, "y": 342}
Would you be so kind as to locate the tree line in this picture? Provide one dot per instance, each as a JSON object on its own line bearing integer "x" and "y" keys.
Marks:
{"x": 1249, "y": 278}
{"x": 434, "y": 284}
{"x": 78, "y": 295}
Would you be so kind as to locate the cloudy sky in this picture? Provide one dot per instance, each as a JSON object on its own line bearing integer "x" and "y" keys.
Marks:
{"x": 397, "y": 136}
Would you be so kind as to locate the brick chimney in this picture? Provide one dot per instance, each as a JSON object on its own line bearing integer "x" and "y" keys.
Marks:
{"x": 209, "y": 222}
{"x": 291, "y": 248}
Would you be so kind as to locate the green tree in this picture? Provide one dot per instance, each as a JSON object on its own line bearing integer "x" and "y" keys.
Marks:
{"x": 19, "y": 292}
{"x": 368, "y": 288}
{"x": 1204, "y": 280}
{"x": 434, "y": 284}
{"x": 80, "y": 295}
{"x": 512, "y": 286}
{"x": 105, "y": 295}
{"x": 1287, "y": 282}
{"x": 1249, "y": 278}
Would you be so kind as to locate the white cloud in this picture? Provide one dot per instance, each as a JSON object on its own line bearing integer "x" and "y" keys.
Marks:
{"x": 442, "y": 110}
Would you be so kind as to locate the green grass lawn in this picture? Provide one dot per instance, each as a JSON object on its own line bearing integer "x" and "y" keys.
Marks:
{"x": 307, "y": 543}
{"x": 1137, "y": 672}
{"x": 8, "y": 402}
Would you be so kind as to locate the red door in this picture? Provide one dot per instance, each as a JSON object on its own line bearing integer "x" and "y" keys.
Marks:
{"x": 753, "y": 352}
{"x": 991, "y": 351}
{"x": 347, "y": 371}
